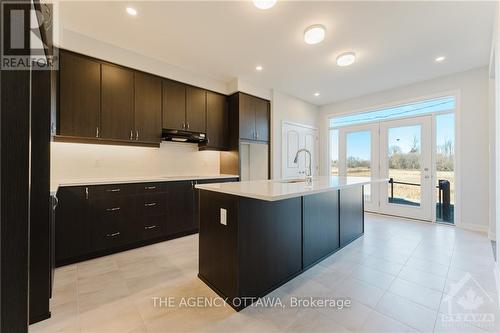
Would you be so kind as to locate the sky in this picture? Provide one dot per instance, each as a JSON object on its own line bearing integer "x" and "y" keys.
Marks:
{"x": 358, "y": 142}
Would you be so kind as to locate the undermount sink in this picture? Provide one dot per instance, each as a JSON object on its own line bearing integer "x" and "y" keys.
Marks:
{"x": 296, "y": 180}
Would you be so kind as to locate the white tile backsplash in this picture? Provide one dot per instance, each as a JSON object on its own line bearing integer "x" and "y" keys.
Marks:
{"x": 77, "y": 161}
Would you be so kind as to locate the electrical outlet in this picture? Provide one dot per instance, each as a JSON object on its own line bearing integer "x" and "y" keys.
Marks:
{"x": 223, "y": 216}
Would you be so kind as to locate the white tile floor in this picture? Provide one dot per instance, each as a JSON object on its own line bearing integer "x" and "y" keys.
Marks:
{"x": 398, "y": 277}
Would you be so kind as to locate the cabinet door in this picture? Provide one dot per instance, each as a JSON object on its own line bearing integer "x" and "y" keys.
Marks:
{"x": 247, "y": 117}
{"x": 217, "y": 121}
{"x": 196, "y": 109}
{"x": 261, "y": 119}
{"x": 174, "y": 105}
{"x": 73, "y": 228}
{"x": 180, "y": 207}
{"x": 351, "y": 214}
{"x": 117, "y": 105}
{"x": 320, "y": 227}
{"x": 147, "y": 107}
{"x": 79, "y": 95}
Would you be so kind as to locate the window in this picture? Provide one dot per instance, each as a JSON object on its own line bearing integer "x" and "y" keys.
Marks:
{"x": 414, "y": 109}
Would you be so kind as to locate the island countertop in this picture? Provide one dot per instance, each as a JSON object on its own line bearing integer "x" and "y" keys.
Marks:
{"x": 272, "y": 190}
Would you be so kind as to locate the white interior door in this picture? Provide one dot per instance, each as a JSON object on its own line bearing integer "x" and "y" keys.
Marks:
{"x": 295, "y": 137}
{"x": 405, "y": 158}
{"x": 359, "y": 157}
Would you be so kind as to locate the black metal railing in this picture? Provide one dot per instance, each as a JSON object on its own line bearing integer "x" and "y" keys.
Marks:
{"x": 443, "y": 196}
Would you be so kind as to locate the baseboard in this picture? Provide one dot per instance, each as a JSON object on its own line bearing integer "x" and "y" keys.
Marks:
{"x": 473, "y": 227}
{"x": 492, "y": 236}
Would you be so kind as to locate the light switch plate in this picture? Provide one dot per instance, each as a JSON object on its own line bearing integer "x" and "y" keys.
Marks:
{"x": 223, "y": 216}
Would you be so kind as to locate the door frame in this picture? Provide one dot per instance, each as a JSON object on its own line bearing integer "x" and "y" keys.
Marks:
{"x": 374, "y": 129}
{"x": 283, "y": 142}
{"x": 456, "y": 93}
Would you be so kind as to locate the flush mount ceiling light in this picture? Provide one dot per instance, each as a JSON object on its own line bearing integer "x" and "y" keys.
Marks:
{"x": 316, "y": 94}
{"x": 264, "y": 4}
{"x": 314, "y": 34}
{"x": 258, "y": 68}
{"x": 440, "y": 59}
{"x": 131, "y": 11}
{"x": 346, "y": 59}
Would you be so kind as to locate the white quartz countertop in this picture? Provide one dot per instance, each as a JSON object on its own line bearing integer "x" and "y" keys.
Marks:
{"x": 272, "y": 190}
{"x": 55, "y": 184}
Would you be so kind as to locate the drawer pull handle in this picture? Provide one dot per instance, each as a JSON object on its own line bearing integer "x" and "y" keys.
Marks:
{"x": 150, "y": 204}
{"x": 113, "y": 234}
{"x": 114, "y": 209}
{"x": 150, "y": 227}
{"x": 150, "y": 188}
{"x": 113, "y": 190}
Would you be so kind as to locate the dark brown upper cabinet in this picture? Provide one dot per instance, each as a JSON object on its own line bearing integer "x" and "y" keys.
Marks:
{"x": 261, "y": 119}
{"x": 196, "y": 109}
{"x": 253, "y": 118}
{"x": 147, "y": 107}
{"x": 117, "y": 103}
{"x": 217, "y": 121}
{"x": 174, "y": 105}
{"x": 247, "y": 117}
{"x": 80, "y": 95}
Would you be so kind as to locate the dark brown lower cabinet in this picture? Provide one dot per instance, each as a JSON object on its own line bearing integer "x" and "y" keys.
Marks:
{"x": 73, "y": 229}
{"x": 181, "y": 207}
{"x": 92, "y": 221}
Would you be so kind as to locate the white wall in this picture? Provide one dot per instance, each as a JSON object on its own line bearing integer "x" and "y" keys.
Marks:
{"x": 292, "y": 109}
{"x": 473, "y": 137}
{"x": 73, "y": 161}
{"x": 76, "y": 42}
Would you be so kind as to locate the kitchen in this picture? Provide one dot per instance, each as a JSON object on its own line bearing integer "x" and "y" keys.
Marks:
{"x": 175, "y": 169}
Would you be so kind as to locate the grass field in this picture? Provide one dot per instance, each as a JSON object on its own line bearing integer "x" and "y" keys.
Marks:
{"x": 407, "y": 192}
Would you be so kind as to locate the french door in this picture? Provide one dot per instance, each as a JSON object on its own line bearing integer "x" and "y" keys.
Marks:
{"x": 400, "y": 150}
{"x": 406, "y": 159}
{"x": 359, "y": 157}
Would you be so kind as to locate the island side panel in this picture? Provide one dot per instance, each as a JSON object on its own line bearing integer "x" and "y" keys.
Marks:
{"x": 351, "y": 214}
{"x": 218, "y": 242}
{"x": 270, "y": 244}
{"x": 321, "y": 226}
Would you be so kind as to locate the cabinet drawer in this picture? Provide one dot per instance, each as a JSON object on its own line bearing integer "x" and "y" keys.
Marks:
{"x": 112, "y": 234}
{"x": 146, "y": 188}
{"x": 110, "y": 191}
{"x": 153, "y": 227}
{"x": 151, "y": 204}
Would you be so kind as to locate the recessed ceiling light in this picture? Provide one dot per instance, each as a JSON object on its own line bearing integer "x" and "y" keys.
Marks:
{"x": 316, "y": 94}
{"x": 258, "y": 68}
{"x": 440, "y": 59}
{"x": 264, "y": 4}
{"x": 314, "y": 34}
{"x": 131, "y": 11}
{"x": 346, "y": 59}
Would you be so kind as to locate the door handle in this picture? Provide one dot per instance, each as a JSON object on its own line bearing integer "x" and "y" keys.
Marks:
{"x": 152, "y": 204}
{"x": 149, "y": 227}
{"x": 114, "y": 209}
{"x": 131, "y": 135}
{"x": 97, "y": 132}
{"x": 113, "y": 190}
{"x": 150, "y": 188}
{"x": 136, "y": 135}
{"x": 113, "y": 234}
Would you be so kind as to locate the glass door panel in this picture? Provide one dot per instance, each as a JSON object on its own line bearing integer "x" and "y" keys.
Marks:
{"x": 358, "y": 157}
{"x": 405, "y": 160}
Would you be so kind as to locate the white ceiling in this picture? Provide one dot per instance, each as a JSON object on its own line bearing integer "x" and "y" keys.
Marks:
{"x": 395, "y": 42}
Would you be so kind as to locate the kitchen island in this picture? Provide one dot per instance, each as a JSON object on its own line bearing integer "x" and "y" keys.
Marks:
{"x": 255, "y": 236}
